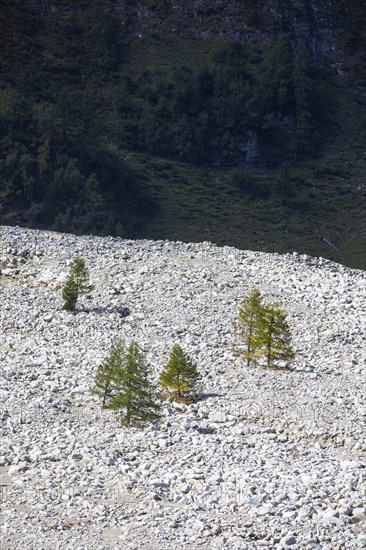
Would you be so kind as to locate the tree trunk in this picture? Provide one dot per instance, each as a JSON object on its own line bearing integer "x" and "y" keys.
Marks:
{"x": 269, "y": 356}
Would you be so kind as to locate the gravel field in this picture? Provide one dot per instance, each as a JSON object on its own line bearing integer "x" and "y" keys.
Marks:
{"x": 263, "y": 459}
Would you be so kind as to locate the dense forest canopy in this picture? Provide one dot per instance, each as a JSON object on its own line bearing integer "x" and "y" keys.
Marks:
{"x": 92, "y": 92}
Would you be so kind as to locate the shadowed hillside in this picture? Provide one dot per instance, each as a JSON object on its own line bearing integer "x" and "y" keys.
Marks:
{"x": 237, "y": 122}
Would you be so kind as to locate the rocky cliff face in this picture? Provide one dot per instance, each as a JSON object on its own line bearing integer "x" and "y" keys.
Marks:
{"x": 322, "y": 25}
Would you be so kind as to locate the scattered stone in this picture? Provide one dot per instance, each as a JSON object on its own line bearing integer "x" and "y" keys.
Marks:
{"x": 288, "y": 541}
{"x": 258, "y": 454}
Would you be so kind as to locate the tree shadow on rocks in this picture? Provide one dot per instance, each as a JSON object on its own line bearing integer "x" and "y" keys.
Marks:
{"x": 120, "y": 310}
{"x": 205, "y": 396}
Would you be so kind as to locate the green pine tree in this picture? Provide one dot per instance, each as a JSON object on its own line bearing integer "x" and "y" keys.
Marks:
{"x": 70, "y": 294}
{"x": 248, "y": 323}
{"x": 103, "y": 383}
{"x": 272, "y": 337}
{"x": 180, "y": 374}
{"x": 76, "y": 283}
{"x": 132, "y": 394}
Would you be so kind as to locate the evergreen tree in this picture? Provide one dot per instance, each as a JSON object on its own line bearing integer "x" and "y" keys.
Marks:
{"x": 132, "y": 393}
{"x": 70, "y": 294}
{"x": 180, "y": 374}
{"x": 272, "y": 337}
{"x": 248, "y": 322}
{"x": 103, "y": 383}
{"x": 76, "y": 283}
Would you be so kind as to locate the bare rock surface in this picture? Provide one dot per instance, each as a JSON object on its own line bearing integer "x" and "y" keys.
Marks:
{"x": 263, "y": 459}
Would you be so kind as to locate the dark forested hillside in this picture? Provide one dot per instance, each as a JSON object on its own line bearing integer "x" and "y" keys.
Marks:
{"x": 236, "y": 122}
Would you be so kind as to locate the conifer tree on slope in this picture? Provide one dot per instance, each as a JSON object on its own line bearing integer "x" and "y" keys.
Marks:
{"x": 76, "y": 283}
{"x": 273, "y": 338}
{"x": 103, "y": 386}
{"x": 180, "y": 374}
{"x": 132, "y": 393}
{"x": 248, "y": 322}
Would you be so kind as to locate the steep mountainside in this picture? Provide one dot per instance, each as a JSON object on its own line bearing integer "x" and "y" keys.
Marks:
{"x": 334, "y": 30}
{"x": 239, "y": 122}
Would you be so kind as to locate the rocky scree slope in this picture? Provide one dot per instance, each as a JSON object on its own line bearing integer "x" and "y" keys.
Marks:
{"x": 264, "y": 459}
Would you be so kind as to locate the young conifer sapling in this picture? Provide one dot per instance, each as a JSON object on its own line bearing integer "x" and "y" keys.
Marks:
{"x": 103, "y": 382}
{"x": 76, "y": 283}
{"x": 273, "y": 337}
{"x": 133, "y": 395}
{"x": 248, "y": 323}
{"x": 180, "y": 374}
